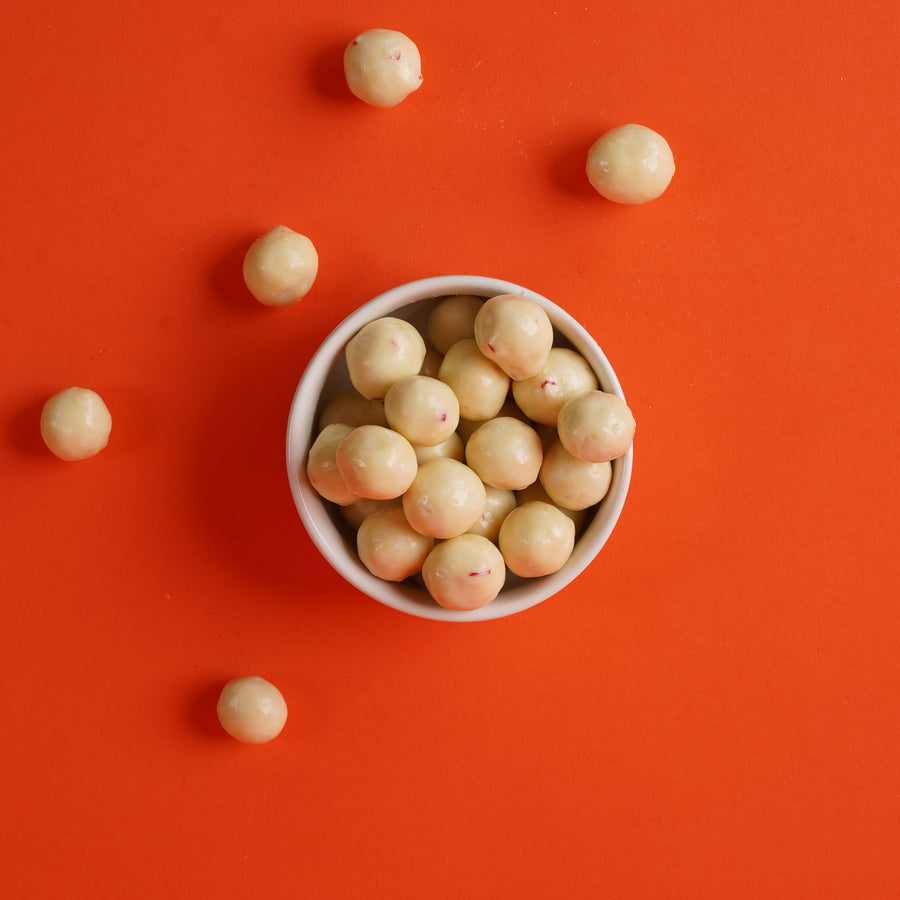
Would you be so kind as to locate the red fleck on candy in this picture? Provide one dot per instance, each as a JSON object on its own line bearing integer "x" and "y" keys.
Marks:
{"x": 547, "y": 382}
{"x": 442, "y": 417}
{"x": 395, "y": 54}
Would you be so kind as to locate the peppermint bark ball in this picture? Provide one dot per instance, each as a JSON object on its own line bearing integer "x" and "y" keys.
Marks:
{"x": 424, "y": 410}
{"x": 573, "y": 483}
{"x": 596, "y": 426}
{"x": 630, "y": 164}
{"x": 452, "y": 319}
{"x": 376, "y": 463}
{"x": 251, "y": 710}
{"x": 75, "y": 424}
{"x": 505, "y": 453}
{"x": 536, "y": 539}
{"x": 321, "y": 466}
{"x": 381, "y": 353}
{"x": 280, "y": 267}
{"x": 465, "y": 572}
{"x": 389, "y": 547}
{"x": 382, "y": 67}
{"x": 480, "y": 385}
{"x": 445, "y": 499}
{"x": 564, "y": 375}
{"x": 515, "y": 333}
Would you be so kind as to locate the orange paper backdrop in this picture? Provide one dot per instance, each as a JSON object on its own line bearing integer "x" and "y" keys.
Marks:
{"x": 710, "y": 710}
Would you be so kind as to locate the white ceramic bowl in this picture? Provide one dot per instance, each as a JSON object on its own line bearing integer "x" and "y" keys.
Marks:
{"x": 327, "y": 375}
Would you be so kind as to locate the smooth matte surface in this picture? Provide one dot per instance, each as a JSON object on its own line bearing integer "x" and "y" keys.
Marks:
{"x": 710, "y": 711}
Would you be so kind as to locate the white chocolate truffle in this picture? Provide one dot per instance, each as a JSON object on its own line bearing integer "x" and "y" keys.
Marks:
{"x": 515, "y": 333}
{"x": 452, "y": 448}
{"x": 445, "y": 499}
{"x": 75, "y": 424}
{"x": 574, "y": 483}
{"x": 596, "y": 426}
{"x": 499, "y": 503}
{"x": 565, "y": 374}
{"x": 630, "y": 164}
{"x": 355, "y": 514}
{"x": 382, "y": 352}
{"x": 382, "y": 67}
{"x": 321, "y": 467}
{"x": 424, "y": 410}
{"x": 376, "y": 462}
{"x": 505, "y": 453}
{"x": 452, "y": 319}
{"x": 480, "y": 385}
{"x": 537, "y": 491}
{"x": 280, "y": 267}
{"x": 351, "y": 408}
{"x": 251, "y": 709}
{"x": 465, "y": 572}
{"x": 536, "y": 539}
{"x": 389, "y": 547}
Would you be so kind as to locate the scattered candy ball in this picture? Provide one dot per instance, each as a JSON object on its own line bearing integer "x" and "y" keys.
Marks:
{"x": 251, "y": 709}
{"x": 630, "y": 164}
{"x": 75, "y": 423}
{"x": 280, "y": 267}
{"x": 382, "y": 67}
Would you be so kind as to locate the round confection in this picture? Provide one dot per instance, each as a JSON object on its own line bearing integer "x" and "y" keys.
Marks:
{"x": 280, "y": 267}
{"x": 355, "y": 514}
{"x": 351, "y": 408}
{"x": 536, "y": 539}
{"x": 424, "y": 410}
{"x": 389, "y": 547}
{"x": 573, "y": 483}
{"x": 596, "y": 426}
{"x": 445, "y": 499}
{"x": 452, "y": 319}
{"x": 251, "y": 709}
{"x": 382, "y": 67}
{"x": 505, "y": 453}
{"x": 321, "y": 467}
{"x": 537, "y": 491}
{"x": 382, "y": 352}
{"x": 630, "y": 164}
{"x": 515, "y": 333}
{"x": 75, "y": 424}
{"x": 565, "y": 374}
{"x": 376, "y": 462}
{"x": 465, "y": 572}
{"x": 452, "y": 448}
{"x": 499, "y": 503}
{"x": 480, "y": 385}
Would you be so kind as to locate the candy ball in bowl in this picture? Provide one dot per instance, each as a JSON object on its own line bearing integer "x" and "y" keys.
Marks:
{"x": 465, "y": 504}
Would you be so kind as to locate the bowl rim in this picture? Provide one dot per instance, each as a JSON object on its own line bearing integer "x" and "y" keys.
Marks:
{"x": 313, "y": 510}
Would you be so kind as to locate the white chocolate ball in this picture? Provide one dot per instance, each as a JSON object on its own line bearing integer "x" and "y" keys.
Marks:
{"x": 424, "y": 410}
{"x": 515, "y": 333}
{"x": 321, "y": 466}
{"x": 389, "y": 547}
{"x": 351, "y": 408}
{"x": 498, "y": 504}
{"x": 536, "y": 539}
{"x": 382, "y": 67}
{"x": 251, "y": 709}
{"x": 596, "y": 426}
{"x": 75, "y": 424}
{"x": 574, "y": 483}
{"x": 280, "y": 267}
{"x": 376, "y": 463}
{"x": 452, "y": 319}
{"x": 505, "y": 453}
{"x": 445, "y": 499}
{"x": 480, "y": 385}
{"x": 465, "y": 572}
{"x": 452, "y": 448}
{"x": 630, "y": 164}
{"x": 565, "y": 374}
{"x": 381, "y": 353}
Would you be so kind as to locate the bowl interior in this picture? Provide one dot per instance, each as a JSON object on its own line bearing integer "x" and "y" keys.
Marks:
{"x": 326, "y": 375}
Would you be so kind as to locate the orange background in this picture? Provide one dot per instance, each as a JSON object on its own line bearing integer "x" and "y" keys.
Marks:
{"x": 711, "y": 710}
